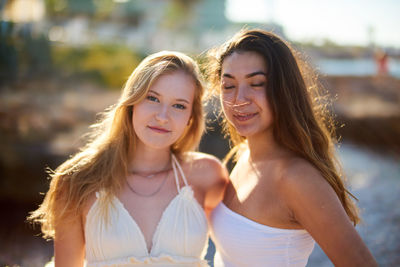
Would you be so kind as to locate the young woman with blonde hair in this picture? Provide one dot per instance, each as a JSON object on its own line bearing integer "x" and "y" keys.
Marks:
{"x": 285, "y": 190}
{"x": 136, "y": 193}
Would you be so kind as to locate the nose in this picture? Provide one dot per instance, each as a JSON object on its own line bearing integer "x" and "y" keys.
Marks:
{"x": 242, "y": 96}
{"x": 162, "y": 114}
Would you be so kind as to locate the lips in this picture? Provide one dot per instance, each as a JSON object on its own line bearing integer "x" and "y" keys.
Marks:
{"x": 244, "y": 116}
{"x": 158, "y": 129}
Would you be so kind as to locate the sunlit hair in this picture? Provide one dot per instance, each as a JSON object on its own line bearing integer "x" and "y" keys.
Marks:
{"x": 103, "y": 163}
{"x": 302, "y": 122}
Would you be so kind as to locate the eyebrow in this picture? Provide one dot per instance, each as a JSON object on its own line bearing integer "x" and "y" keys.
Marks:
{"x": 182, "y": 100}
{"x": 255, "y": 74}
{"x": 227, "y": 75}
{"x": 178, "y": 99}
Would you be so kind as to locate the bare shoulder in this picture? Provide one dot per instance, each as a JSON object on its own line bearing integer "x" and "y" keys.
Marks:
{"x": 307, "y": 194}
{"x": 205, "y": 170}
{"x": 87, "y": 205}
{"x": 203, "y": 161}
{"x": 296, "y": 167}
{"x": 299, "y": 178}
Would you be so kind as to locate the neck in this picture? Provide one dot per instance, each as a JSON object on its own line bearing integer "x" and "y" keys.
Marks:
{"x": 263, "y": 146}
{"x": 147, "y": 160}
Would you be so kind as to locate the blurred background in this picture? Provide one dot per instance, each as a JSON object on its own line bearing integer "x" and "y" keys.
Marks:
{"x": 63, "y": 61}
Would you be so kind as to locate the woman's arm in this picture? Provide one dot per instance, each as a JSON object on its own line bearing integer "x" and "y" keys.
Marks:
{"x": 215, "y": 189}
{"x": 69, "y": 244}
{"x": 315, "y": 206}
{"x": 212, "y": 178}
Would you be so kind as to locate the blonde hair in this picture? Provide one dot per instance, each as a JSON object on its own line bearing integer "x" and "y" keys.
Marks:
{"x": 102, "y": 164}
{"x": 301, "y": 122}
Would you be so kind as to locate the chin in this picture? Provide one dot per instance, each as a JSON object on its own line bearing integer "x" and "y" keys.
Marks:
{"x": 245, "y": 133}
{"x": 248, "y": 131}
{"x": 158, "y": 145}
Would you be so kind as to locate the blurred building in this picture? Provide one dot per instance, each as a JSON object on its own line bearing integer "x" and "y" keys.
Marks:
{"x": 151, "y": 25}
{"x": 23, "y": 11}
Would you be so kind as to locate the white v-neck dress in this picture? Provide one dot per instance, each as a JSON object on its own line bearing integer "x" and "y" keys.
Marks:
{"x": 180, "y": 238}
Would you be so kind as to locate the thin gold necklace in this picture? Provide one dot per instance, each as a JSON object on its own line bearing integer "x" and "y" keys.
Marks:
{"x": 156, "y": 191}
{"x": 151, "y": 174}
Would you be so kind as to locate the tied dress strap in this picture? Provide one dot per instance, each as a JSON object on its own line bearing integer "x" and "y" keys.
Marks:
{"x": 177, "y": 167}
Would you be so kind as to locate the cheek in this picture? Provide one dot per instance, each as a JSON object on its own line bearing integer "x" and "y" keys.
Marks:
{"x": 182, "y": 119}
{"x": 185, "y": 120}
{"x": 261, "y": 96}
{"x": 135, "y": 114}
{"x": 226, "y": 101}
{"x": 135, "y": 122}
{"x": 227, "y": 110}
{"x": 139, "y": 116}
{"x": 267, "y": 109}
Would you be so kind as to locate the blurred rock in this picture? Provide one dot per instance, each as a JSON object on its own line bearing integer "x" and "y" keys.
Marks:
{"x": 367, "y": 110}
{"x": 360, "y": 97}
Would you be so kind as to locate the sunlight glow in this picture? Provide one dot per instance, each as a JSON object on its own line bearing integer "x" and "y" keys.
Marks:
{"x": 359, "y": 22}
{"x": 24, "y": 11}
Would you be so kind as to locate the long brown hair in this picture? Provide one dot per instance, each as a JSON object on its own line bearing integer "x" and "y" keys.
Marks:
{"x": 102, "y": 164}
{"x": 302, "y": 122}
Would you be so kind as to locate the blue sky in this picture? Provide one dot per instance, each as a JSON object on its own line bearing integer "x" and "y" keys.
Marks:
{"x": 342, "y": 21}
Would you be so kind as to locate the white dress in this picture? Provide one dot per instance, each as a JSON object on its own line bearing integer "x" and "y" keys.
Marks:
{"x": 240, "y": 241}
{"x": 180, "y": 238}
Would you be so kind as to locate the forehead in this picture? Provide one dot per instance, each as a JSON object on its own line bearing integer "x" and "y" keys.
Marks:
{"x": 243, "y": 63}
{"x": 176, "y": 85}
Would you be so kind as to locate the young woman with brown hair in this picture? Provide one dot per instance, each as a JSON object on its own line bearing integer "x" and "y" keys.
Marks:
{"x": 136, "y": 193}
{"x": 285, "y": 190}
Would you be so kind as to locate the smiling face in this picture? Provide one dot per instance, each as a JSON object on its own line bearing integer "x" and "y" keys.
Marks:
{"x": 243, "y": 93}
{"x": 161, "y": 118}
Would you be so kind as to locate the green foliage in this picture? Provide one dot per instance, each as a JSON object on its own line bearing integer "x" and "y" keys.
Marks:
{"x": 8, "y": 53}
{"x": 109, "y": 65}
{"x": 54, "y": 7}
{"x": 70, "y": 7}
{"x": 22, "y": 53}
{"x": 178, "y": 13}
{"x": 36, "y": 52}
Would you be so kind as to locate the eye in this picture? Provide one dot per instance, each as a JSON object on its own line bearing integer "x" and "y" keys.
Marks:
{"x": 227, "y": 85}
{"x": 179, "y": 106}
{"x": 152, "y": 98}
{"x": 258, "y": 84}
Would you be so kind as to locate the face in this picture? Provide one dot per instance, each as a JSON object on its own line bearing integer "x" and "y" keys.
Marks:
{"x": 162, "y": 116}
{"x": 243, "y": 93}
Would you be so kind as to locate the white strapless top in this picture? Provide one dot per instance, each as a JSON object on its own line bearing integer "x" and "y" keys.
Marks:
{"x": 240, "y": 241}
{"x": 180, "y": 238}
